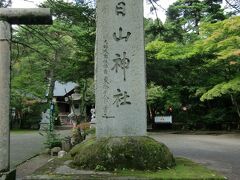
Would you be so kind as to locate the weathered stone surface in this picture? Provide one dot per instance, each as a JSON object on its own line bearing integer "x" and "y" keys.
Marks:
{"x": 55, "y": 150}
{"x": 26, "y": 15}
{"x": 47, "y": 151}
{"x": 10, "y": 175}
{"x": 4, "y": 94}
{"x": 66, "y": 145}
{"x": 67, "y": 170}
{"x": 120, "y": 69}
{"x": 61, "y": 154}
{"x": 45, "y": 121}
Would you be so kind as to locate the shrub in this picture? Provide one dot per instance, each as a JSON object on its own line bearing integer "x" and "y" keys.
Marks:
{"x": 52, "y": 140}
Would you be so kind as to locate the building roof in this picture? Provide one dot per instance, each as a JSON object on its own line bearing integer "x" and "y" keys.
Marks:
{"x": 61, "y": 89}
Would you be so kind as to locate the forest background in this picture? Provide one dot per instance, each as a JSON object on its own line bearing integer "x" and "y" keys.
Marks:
{"x": 193, "y": 61}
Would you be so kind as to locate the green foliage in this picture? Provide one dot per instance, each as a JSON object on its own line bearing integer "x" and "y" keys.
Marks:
{"x": 27, "y": 78}
{"x": 141, "y": 153}
{"x": 52, "y": 139}
{"x": 91, "y": 131}
{"x": 88, "y": 95}
{"x": 185, "y": 15}
{"x": 152, "y": 30}
{"x": 194, "y": 54}
{"x": 224, "y": 42}
{"x": 230, "y": 87}
{"x": 203, "y": 69}
{"x": 32, "y": 115}
{"x": 78, "y": 135}
{"x": 100, "y": 168}
{"x": 155, "y": 94}
{"x": 63, "y": 51}
{"x": 169, "y": 51}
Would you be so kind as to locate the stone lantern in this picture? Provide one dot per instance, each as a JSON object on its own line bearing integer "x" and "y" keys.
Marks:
{"x": 75, "y": 106}
{"x": 74, "y": 101}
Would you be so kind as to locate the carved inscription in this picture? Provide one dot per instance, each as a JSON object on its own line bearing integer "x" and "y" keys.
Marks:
{"x": 121, "y": 9}
{"x": 121, "y": 98}
{"x": 120, "y": 35}
{"x": 121, "y": 62}
{"x": 106, "y": 80}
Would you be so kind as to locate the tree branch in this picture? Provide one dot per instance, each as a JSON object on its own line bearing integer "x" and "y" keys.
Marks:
{"x": 235, "y": 5}
{"x": 155, "y": 11}
{"x": 41, "y": 37}
{"x": 25, "y": 45}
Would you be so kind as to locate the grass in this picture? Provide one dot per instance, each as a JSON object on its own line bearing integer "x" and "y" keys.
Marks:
{"x": 23, "y": 131}
{"x": 185, "y": 169}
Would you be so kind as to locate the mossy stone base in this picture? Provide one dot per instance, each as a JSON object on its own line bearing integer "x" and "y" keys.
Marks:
{"x": 139, "y": 153}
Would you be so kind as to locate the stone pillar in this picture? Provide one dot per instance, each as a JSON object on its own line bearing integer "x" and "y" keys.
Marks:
{"x": 120, "y": 69}
{"x": 12, "y": 16}
{"x": 4, "y": 95}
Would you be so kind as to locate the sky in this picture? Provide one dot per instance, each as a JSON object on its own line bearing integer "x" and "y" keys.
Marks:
{"x": 161, "y": 13}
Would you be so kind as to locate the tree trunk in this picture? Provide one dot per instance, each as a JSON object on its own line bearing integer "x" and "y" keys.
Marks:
{"x": 51, "y": 85}
{"x": 52, "y": 76}
{"x": 83, "y": 100}
{"x": 150, "y": 112}
{"x": 235, "y": 104}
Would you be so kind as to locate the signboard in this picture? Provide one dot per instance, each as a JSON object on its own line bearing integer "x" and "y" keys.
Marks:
{"x": 163, "y": 119}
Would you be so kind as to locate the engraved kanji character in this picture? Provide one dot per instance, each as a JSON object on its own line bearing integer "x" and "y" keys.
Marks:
{"x": 106, "y": 83}
{"x": 120, "y": 36}
{"x": 124, "y": 98}
{"x": 105, "y": 71}
{"x": 123, "y": 63}
{"x": 106, "y": 80}
{"x": 121, "y": 98}
{"x": 105, "y": 64}
{"x": 120, "y": 8}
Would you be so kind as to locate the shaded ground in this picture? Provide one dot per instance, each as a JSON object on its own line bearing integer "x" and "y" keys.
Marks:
{"x": 219, "y": 152}
{"x": 26, "y": 144}
{"x": 31, "y": 165}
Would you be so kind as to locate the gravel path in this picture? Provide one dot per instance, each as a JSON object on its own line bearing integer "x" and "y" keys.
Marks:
{"x": 24, "y": 146}
{"x": 27, "y": 145}
{"x": 219, "y": 152}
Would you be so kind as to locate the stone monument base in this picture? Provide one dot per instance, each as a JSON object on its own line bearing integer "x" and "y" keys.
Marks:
{"x": 139, "y": 153}
{"x": 92, "y": 124}
{"x": 44, "y": 127}
{"x": 10, "y": 175}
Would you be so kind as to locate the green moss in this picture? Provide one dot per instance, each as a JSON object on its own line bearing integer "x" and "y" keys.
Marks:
{"x": 80, "y": 147}
{"x": 141, "y": 153}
